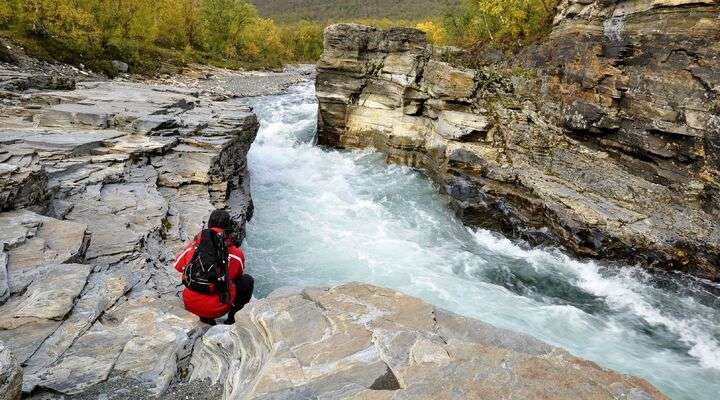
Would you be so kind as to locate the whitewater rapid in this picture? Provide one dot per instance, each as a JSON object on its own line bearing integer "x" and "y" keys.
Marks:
{"x": 324, "y": 217}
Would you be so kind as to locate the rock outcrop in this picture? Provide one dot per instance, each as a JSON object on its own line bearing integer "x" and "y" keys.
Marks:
{"x": 363, "y": 342}
{"x": 99, "y": 187}
{"x": 602, "y": 139}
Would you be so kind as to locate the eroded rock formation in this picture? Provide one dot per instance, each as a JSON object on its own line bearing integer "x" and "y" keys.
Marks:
{"x": 100, "y": 186}
{"x": 363, "y": 342}
{"x": 603, "y": 138}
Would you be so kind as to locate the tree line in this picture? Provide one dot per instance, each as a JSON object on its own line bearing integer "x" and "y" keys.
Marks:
{"x": 342, "y": 10}
{"x": 146, "y": 33}
{"x": 231, "y": 33}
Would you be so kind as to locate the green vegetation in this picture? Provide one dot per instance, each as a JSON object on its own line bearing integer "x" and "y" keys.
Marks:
{"x": 148, "y": 34}
{"x": 503, "y": 22}
{"x": 327, "y": 11}
{"x": 152, "y": 34}
{"x": 455, "y": 22}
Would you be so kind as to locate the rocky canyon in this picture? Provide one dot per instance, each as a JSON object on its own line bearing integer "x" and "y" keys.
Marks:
{"x": 601, "y": 141}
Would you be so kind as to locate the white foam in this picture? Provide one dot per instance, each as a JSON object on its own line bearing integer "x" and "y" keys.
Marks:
{"x": 622, "y": 292}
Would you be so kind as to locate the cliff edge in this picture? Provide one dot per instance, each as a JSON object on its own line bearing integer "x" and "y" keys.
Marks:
{"x": 604, "y": 138}
{"x": 359, "y": 341}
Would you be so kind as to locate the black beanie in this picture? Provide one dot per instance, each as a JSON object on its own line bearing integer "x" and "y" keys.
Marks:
{"x": 220, "y": 219}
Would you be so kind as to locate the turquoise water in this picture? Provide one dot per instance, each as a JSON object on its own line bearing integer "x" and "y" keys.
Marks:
{"x": 325, "y": 217}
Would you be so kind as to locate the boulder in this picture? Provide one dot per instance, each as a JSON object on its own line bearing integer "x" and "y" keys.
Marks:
{"x": 359, "y": 341}
{"x": 120, "y": 66}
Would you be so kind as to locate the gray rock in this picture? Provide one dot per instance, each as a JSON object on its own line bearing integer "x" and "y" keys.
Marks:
{"x": 28, "y": 319}
{"x": 455, "y": 125}
{"x": 363, "y": 342}
{"x": 34, "y": 242}
{"x": 119, "y": 217}
{"x": 101, "y": 293}
{"x": 4, "y": 281}
{"x": 120, "y": 66}
{"x": 21, "y": 186}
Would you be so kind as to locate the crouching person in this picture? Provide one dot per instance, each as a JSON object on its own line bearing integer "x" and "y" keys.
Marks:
{"x": 213, "y": 272}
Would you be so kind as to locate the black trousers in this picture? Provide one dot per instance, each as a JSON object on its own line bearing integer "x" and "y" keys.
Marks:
{"x": 244, "y": 287}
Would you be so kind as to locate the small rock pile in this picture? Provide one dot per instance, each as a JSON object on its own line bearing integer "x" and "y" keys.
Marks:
{"x": 224, "y": 84}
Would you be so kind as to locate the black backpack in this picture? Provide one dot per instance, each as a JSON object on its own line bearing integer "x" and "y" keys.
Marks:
{"x": 207, "y": 272}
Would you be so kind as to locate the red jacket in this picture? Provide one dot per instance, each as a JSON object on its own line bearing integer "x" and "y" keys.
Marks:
{"x": 209, "y": 305}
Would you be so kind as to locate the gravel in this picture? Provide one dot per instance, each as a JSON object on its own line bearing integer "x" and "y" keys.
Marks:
{"x": 229, "y": 83}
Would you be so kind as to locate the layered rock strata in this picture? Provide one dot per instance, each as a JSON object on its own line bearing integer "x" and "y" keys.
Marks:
{"x": 99, "y": 187}
{"x": 363, "y": 342}
{"x": 602, "y": 139}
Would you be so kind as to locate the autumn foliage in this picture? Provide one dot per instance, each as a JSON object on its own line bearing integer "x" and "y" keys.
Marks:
{"x": 499, "y": 21}
{"x": 148, "y": 34}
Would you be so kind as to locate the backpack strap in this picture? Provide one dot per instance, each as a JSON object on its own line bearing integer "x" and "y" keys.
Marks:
{"x": 222, "y": 252}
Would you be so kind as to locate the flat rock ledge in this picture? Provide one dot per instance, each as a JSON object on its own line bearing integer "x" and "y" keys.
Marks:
{"x": 604, "y": 138}
{"x": 101, "y": 183}
{"x": 359, "y": 341}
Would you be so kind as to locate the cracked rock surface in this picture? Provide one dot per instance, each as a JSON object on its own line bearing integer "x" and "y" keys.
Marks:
{"x": 364, "y": 342}
{"x": 602, "y": 139}
{"x": 101, "y": 183}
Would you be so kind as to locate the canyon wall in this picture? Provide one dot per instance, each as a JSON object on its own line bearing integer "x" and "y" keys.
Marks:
{"x": 604, "y": 138}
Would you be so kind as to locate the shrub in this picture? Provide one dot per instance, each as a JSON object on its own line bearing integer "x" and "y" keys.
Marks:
{"x": 304, "y": 40}
{"x": 7, "y": 13}
{"x": 61, "y": 21}
{"x": 436, "y": 33}
{"x": 259, "y": 42}
{"x": 499, "y": 21}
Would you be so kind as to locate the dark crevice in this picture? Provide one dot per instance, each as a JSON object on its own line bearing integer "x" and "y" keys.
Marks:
{"x": 706, "y": 85}
{"x": 387, "y": 381}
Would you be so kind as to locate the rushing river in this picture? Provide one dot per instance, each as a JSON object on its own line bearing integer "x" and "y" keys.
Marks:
{"x": 325, "y": 217}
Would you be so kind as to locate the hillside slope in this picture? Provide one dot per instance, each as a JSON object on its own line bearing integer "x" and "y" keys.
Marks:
{"x": 340, "y": 10}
